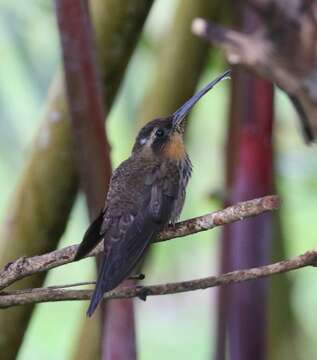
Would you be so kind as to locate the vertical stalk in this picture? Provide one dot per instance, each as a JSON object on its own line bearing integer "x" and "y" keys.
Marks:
{"x": 231, "y": 159}
{"x": 247, "y": 303}
{"x": 92, "y": 150}
{"x": 85, "y": 101}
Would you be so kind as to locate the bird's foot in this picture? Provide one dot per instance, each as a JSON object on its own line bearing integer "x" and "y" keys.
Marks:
{"x": 137, "y": 277}
{"x": 143, "y": 292}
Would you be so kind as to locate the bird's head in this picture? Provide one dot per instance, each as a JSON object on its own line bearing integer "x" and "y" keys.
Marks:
{"x": 164, "y": 137}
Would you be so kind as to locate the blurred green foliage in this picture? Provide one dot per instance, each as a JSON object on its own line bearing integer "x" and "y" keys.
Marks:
{"x": 169, "y": 327}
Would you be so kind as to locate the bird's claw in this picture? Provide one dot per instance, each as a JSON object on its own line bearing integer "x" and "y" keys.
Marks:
{"x": 143, "y": 292}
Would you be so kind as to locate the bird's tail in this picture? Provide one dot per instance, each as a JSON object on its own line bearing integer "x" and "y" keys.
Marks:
{"x": 99, "y": 289}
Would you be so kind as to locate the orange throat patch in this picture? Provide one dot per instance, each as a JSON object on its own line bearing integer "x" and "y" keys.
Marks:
{"x": 174, "y": 149}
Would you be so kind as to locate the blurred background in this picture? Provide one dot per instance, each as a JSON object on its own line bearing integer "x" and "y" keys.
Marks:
{"x": 181, "y": 326}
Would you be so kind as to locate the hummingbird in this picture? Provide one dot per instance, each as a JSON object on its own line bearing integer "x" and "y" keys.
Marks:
{"x": 146, "y": 194}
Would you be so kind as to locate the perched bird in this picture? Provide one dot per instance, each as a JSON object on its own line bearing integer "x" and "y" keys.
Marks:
{"x": 146, "y": 193}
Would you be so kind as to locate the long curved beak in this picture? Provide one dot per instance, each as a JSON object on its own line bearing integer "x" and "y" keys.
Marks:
{"x": 179, "y": 115}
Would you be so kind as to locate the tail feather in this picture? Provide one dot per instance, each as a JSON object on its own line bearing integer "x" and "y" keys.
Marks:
{"x": 117, "y": 263}
{"x": 124, "y": 249}
{"x": 100, "y": 288}
{"x": 95, "y": 300}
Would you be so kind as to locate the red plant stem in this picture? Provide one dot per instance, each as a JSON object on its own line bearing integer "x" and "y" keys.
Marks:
{"x": 92, "y": 151}
{"x": 242, "y": 308}
{"x": 119, "y": 342}
{"x": 232, "y": 147}
{"x": 253, "y": 177}
{"x": 85, "y": 101}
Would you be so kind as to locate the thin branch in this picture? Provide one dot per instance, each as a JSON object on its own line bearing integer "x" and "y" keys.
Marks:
{"x": 25, "y": 266}
{"x": 31, "y": 296}
{"x": 83, "y": 283}
{"x": 132, "y": 277}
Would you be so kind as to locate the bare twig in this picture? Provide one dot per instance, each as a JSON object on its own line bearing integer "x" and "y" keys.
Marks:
{"x": 31, "y": 296}
{"x": 83, "y": 283}
{"x": 24, "y": 266}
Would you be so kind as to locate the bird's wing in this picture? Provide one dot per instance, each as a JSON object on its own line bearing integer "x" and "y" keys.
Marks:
{"x": 128, "y": 235}
{"x": 92, "y": 237}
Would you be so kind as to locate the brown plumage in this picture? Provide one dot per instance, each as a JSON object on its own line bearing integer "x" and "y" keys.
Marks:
{"x": 146, "y": 193}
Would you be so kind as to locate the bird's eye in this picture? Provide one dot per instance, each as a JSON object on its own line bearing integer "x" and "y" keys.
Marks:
{"x": 159, "y": 133}
{"x": 143, "y": 141}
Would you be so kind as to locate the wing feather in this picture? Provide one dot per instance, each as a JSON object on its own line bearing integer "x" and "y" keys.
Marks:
{"x": 129, "y": 235}
{"x": 92, "y": 237}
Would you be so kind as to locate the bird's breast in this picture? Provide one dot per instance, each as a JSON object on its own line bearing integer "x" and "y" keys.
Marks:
{"x": 185, "y": 170}
{"x": 174, "y": 149}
